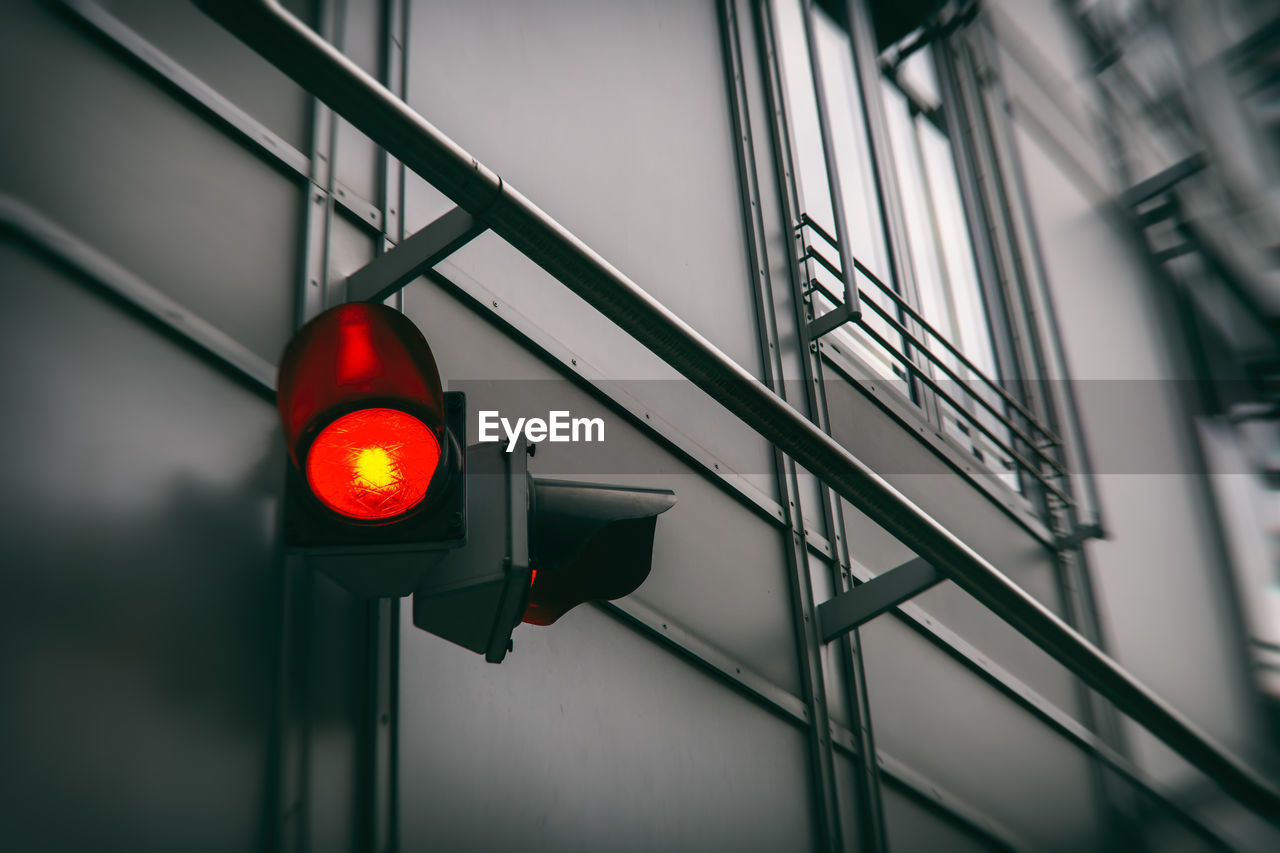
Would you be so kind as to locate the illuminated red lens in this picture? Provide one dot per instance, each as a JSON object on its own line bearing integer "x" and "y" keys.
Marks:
{"x": 373, "y": 463}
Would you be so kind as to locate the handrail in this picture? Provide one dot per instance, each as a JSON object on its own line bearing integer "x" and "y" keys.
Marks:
{"x": 323, "y": 70}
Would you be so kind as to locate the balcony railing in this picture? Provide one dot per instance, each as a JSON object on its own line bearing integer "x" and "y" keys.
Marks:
{"x": 977, "y": 404}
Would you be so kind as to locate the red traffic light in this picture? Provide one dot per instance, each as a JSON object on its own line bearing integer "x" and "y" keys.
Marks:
{"x": 363, "y": 411}
{"x": 372, "y": 464}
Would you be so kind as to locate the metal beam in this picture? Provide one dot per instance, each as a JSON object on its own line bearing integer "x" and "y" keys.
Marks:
{"x": 316, "y": 65}
{"x": 24, "y": 221}
{"x": 864, "y": 602}
{"x": 392, "y": 270}
{"x": 1163, "y": 181}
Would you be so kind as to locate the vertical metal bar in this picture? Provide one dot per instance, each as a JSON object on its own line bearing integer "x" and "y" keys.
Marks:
{"x": 863, "y": 44}
{"x": 293, "y": 809}
{"x": 374, "y": 786}
{"x": 394, "y": 72}
{"x": 822, "y": 760}
{"x": 843, "y": 238}
{"x": 382, "y": 721}
{"x": 872, "y": 834}
{"x": 978, "y": 83}
{"x": 324, "y": 131}
{"x": 298, "y": 595}
{"x": 293, "y": 817}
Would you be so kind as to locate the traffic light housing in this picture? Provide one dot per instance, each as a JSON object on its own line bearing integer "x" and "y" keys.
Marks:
{"x": 539, "y": 547}
{"x": 376, "y": 492}
{"x": 382, "y": 497}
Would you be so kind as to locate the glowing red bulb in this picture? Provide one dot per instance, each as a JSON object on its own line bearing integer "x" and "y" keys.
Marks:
{"x": 373, "y": 464}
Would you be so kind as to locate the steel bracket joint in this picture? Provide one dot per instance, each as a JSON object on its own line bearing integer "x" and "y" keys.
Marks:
{"x": 392, "y": 270}
{"x": 832, "y": 320}
{"x": 864, "y": 602}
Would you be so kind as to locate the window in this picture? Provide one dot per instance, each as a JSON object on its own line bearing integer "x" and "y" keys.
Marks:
{"x": 858, "y": 194}
{"x": 928, "y": 318}
{"x": 941, "y": 245}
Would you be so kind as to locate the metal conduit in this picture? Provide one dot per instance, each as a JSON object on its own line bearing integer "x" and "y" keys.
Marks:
{"x": 321, "y": 69}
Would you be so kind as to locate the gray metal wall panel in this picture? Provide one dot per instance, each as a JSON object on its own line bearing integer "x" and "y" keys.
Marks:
{"x": 356, "y": 162}
{"x": 140, "y": 586}
{"x": 355, "y": 156}
{"x": 335, "y": 700}
{"x": 218, "y": 58}
{"x": 943, "y": 722}
{"x": 916, "y": 828}
{"x": 718, "y": 568}
{"x": 602, "y": 350}
{"x": 206, "y": 222}
{"x": 589, "y": 738}
{"x": 614, "y": 118}
{"x": 1045, "y": 71}
{"x": 423, "y": 203}
{"x": 351, "y": 246}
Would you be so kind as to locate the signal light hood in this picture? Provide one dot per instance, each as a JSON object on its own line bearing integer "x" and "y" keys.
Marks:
{"x": 591, "y": 542}
{"x": 356, "y": 356}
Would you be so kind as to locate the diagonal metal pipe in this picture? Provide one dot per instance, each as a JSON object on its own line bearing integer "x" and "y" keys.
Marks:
{"x": 321, "y": 69}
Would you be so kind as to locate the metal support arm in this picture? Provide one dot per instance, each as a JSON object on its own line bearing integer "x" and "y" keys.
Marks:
{"x": 389, "y": 272}
{"x": 832, "y": 320}
{"x": 866, "y": 601}
{"x": 319, "y": 67}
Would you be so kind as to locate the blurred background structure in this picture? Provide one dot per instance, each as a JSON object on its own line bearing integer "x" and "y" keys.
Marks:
{"x": 1018, "y": 257}
{"x": 1188, "y": 101}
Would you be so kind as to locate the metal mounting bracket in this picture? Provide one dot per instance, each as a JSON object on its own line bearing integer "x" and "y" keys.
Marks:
{"x": 389, "y": 272}
{"x": 833, "y": 319}
{"x": 1079, "y": 535}
{"x": 864, "y": 602}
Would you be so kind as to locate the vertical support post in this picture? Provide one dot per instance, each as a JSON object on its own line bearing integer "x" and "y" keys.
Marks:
{"x": 871, "y": 833}
{"x": 382, "y": 719}
{"x": 394, "y": 72}
{"x": 822, "y": 760}
{"x": 291, "y": 833}
{"x": 314, "y": 612}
